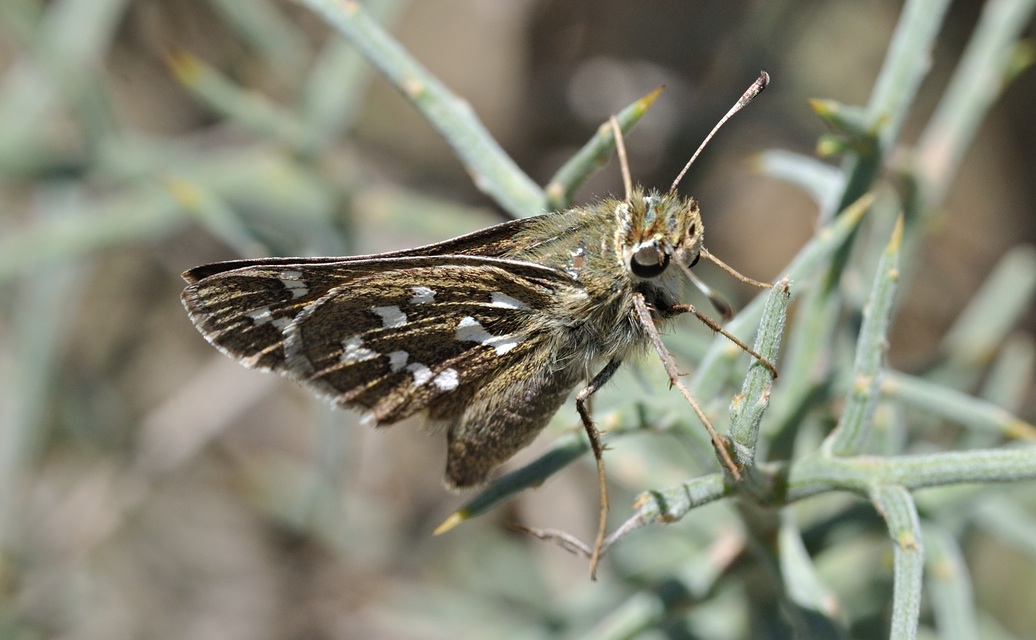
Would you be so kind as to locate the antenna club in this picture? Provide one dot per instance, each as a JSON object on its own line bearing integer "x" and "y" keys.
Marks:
{"x": 755, "y": 89}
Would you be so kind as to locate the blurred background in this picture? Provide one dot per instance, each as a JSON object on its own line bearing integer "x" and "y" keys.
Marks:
{"x": 150, "y": 487}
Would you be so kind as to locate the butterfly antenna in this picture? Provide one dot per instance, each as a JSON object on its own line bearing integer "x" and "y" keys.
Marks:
{"x": 749, "y": 95}
{"x": 624, "y": 163}
{"x": 729, "y": 269}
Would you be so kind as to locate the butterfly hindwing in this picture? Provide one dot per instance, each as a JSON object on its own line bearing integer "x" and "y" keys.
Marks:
{"x": 504, "y": 416}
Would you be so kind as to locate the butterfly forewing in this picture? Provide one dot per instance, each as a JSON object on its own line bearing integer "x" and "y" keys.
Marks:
{"x": 393, "y": 335}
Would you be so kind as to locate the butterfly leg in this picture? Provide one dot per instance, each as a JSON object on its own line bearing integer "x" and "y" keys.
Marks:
{"x": 644, "y": 314}
{"x": 594, "y": 436}
{"x": 715, "y": 326}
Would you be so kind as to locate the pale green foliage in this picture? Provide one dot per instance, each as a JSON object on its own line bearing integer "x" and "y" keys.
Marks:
{"x": 129, "y": 508}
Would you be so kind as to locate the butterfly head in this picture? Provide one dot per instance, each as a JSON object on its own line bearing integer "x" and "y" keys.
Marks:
{"x": 663, "y": 234}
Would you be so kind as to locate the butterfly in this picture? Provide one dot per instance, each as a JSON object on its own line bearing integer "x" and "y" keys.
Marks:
{"x": 486, "y": 334}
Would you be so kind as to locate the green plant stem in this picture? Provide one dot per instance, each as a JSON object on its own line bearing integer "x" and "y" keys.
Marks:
{"x": 896, "y": 506}
{"x": 817, "y": 474}
{"x": 492, "y": 170}
{"x": 968, "y": 411}
{"x": 254, "y": 180}
{"x": 43, "y": 311}
{"x": 261, "y": 25}
{"x": 850, "y": 435}
{"x": 747, "y": 409}
{"x": 669, "y": 505}
{"x": 821, "y": 181}
{"x": 815, "y": 601}
{"x": 1004, "y": 298}
{"x": 69, "y": 43}
{"x": 906, "y": 64}
{"x": 1005, "y": 518}
{"x": 977, "y": 82}
{"x": 949, "y": 586}
{"x": 594, "y": 154}
{"x": 249, "y": 109}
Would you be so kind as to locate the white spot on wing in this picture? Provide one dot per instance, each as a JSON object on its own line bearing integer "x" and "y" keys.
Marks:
{"x": 260, "y": 316}
{"x": 505, "y": 301}
{"x": 298, "y": 363}
{"x": 265, "y": 316}
{"x": 354, "y": 351}
{"x": 447, "y": 380}
{"x": 391, "y": 316}
{"x": 502, "y": 344}
{"x": 421, "y": 373}
{"x": 368, "y": 419}
{"x": 422, "y": 295}
{"x": 469, "y": 330}
{"x": 397, "y": 360}
{"x": 292, "y": 281}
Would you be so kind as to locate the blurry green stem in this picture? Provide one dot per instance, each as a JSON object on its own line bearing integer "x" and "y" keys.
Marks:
{"x": 854, "y": 424}
{"x": 906, "y": 64}
{"x": 492, "y": 170}
{"x": 818, "y": 473}
{"x": 980, "y": 77}
{"x": 896, "y": 506}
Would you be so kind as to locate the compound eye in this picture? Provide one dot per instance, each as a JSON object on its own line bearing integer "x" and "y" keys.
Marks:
{"x": 695, "y": 261}
{"x": 649, "y": 261}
